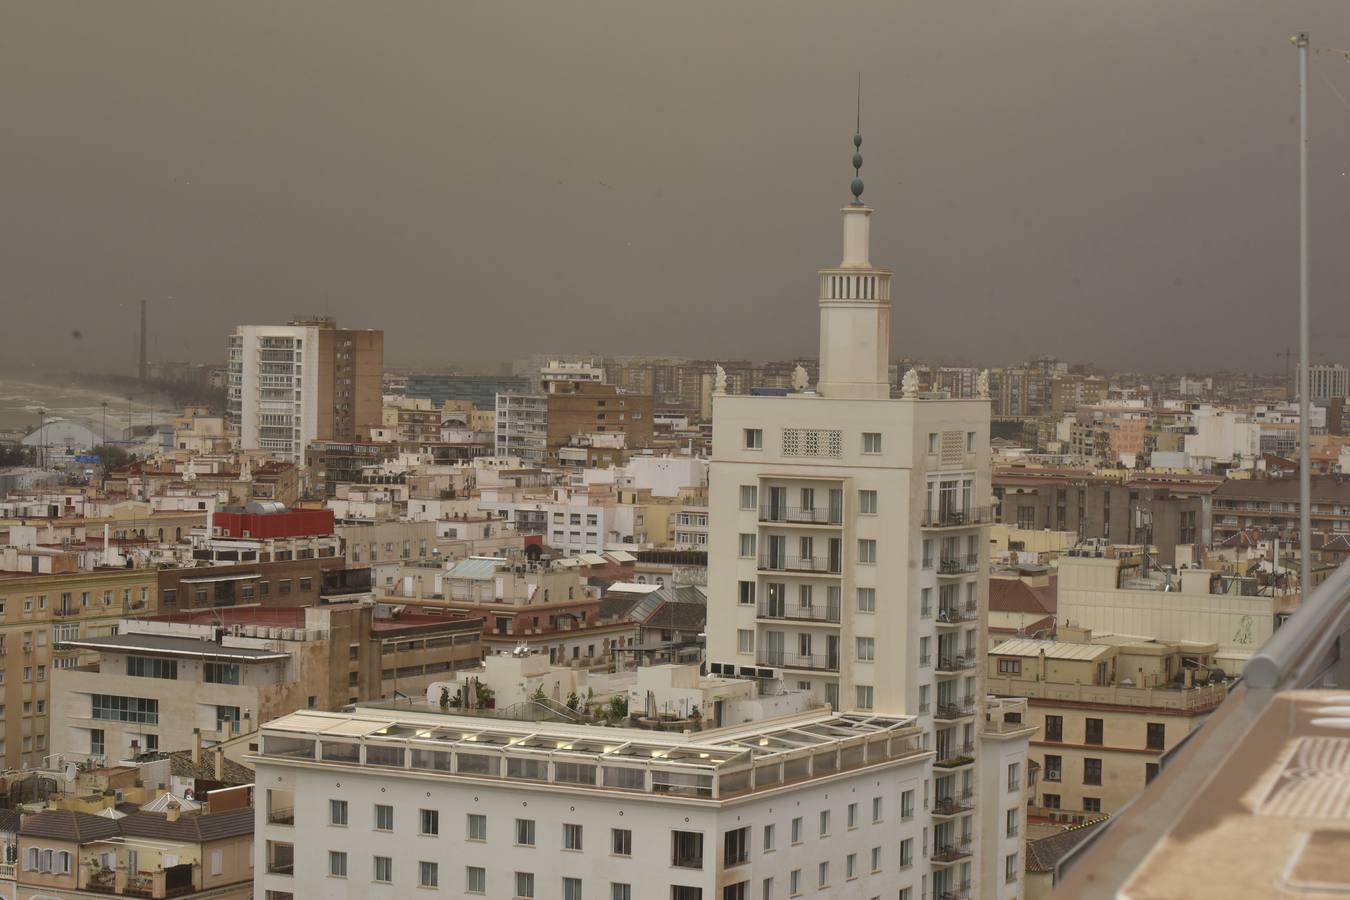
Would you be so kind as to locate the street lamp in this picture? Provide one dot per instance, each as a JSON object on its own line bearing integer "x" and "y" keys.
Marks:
{"x": 42, "y": 438}
{"x": 105, "y": 423}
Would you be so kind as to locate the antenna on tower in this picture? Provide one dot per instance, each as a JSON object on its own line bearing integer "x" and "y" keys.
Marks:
{"x": 857, "y": 185}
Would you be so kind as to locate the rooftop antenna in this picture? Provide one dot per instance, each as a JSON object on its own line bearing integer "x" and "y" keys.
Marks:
{"x": 857, "y": 185}
{"x": 1304, "y": 401}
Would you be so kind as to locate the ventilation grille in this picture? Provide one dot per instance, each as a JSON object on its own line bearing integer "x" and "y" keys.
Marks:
{"x": 812, "y": 442}
{"x": 953, "y": 448}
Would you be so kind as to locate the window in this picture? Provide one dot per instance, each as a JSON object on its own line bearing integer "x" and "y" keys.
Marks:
{"x": 746, "y": 593}
{"x": 1014, "y": 776}
{"x": 571, "y": 889}
{"x": 867, "y": 551}
{"x": 621, "y": 842}
{"x": 824, "y": 822}
{"x": 1156, "y": 735}
{"x": 823, "y": 875}
{"x": 1010, "y": 867}
{"x": 1050, "y": 801}
{"x": 1010, "y": 667}
{"x": 1092, "y": 771}
{"x": 1092, "y": 804}
{"x": 745, "y": 640}
{"x": 685, "y": 892}
{"x": 384, "y": 817}
{"x": 866, "y": 649}
{"x": 618, "y": 891}
{"x": 228, "y": 714}
{"x": 876, "y": 810}
{"x": 686, "y": 849}
{"x": 337, "y": 864}
{"x": 736, "y": 846}
{"x": 475, "y": 880}
{"x": 749, "y": 496}
{"x": 428, "y": 822}
{"x": 217, "y": 862}
{"x": 795, "y": 882}
{"x": 797, "y": 830}
{"x": 867, "y": 600}
{"x": 1092, "y": 731}
{"x": 1150, "y": 772}
{"x": 477, "y": 827}
{"x": 867, "y": 503}
{"x": 871, "y": 442}
{"x": 970, "y": 442}
{"x": 864, "y": 694}
{"x": 428, "y": 874}
{"x": 525, "y": 884}
{"x": 852, "y": 813}
{"x": 747, "y": 545}
{"x": 932, "y": 442}
{"x": 851, "y": 866}
{"x": 97, "y": 742}
{"x": 1054, "y": 767}
{"x": 384, "y": 869}
{"x": 754, "y": 439}
{"x": 571, "y": 837}
{"x": 221, "y": 673}
{"x": 769, "y": 838}
{"x": 152, "y": 667}
{"x": 1054, "y": 728}
{"x": 124, "y": 709}
{"x": 766, "y": 891}
{"x": 525, "y": 832}
{"x": 906, "y": 853}
{"x": 1010, "y": 825}
{"x": 337, "y": 812}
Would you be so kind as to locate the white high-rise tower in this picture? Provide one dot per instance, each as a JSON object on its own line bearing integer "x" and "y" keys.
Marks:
{"x": 848, "y": 556}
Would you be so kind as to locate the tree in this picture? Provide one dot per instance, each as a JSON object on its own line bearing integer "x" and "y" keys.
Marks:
{"x": 110, "y": 457}
{"x": 16, "y": 455}
{"x": 445, "y": 697}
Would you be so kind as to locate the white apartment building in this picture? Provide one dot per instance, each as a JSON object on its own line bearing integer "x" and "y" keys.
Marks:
{"x": 273, "y": 386}
{"x": 522, "y": 427}
{"x": 389, "y": 803}
{"x": 1327, "y": 382}
{"x": 847, "y": 555}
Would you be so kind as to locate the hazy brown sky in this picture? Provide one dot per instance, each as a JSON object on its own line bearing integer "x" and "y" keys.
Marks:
{"x": 1102, "y": 181}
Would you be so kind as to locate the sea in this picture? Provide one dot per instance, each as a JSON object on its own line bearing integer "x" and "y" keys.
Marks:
{"x": 21, "y": 402}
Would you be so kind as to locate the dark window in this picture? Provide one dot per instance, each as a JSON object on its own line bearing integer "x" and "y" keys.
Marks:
{"x": 1092, "y": 804}
{"x": 1054, "y": 728}
{"x": 1054, "y": 767}
{"x": 739, "y": 891}
{"x": 1156, "y": 733}
{"x": 1150, "y": 772}
{"x": 1092, "y": 731}
{"x": 1050, "y": 801}
{"x": 1092, "y": 771}
{"x": 736, "y": 846}
{"x": 686, "y": 849}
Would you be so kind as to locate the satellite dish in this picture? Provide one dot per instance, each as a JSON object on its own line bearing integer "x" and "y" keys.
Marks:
{"x": 70, "y": 771}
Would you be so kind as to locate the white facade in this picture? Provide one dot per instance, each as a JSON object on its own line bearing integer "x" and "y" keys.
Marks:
{"x": 522, "y": 427}
{"x": 848, "y": 553}
{"x": 1327, "y": 382}
{"x": 273, "y": 387}
{"x": 475, "y": 804}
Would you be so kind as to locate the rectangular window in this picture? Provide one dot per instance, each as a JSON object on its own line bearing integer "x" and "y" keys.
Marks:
{"x": 797, "y": 830}
{"x": 384, "y": 869}
{"x": 525, "y": 832}
{"x": 1092, "y": 804}
{"x": 824, "y": 823}
{"x": 746, "y": 593}
{"x": 747, "y": 545}
{"x": 337, "y": 812}
{"x": 337, "y": 864}
{"x": 621, "y": 842}
{"x": 754, "y": 439}
{"x": 477, "y": 827}
{"x": 124, "y": 709}
{"x": 1092, "y": 771}
{"x": 428, "y": 822}
{"x": 867, "y": 503}
{"x": 1009, "y": 667}
{"x": 823, "y": 875}
{"x": 97, "y": 743}
{"x": 475, "y": 880}
{"x": 384, "y": 817}
{"x": 1014, "y": 776}
{"x": 571, "y": 837}
{"x": 769, "y": 832}
{"x": 1010, "y": 868}
{"x": 852, "y": 815}
{"x": 571, "y": 889}
{"x": 428, "y": 874}
{"x": 1054, "y": 768}
{"x": 795, "y": 882}
{"x": 851, "y": 866}
{"x": 1150, "y": 772}
{"x": 686, "y": 849}
{"x": 866, "y": 649}
{"x": 867, "y": 600}
{"x": 620, "y": 891}
{"x": 1054, "y": 728}
{"x": 906, "y": 853}
{"x": 907, "y": 805}
{"x": 1092, "y": 731}
{"x": 876, "y": 810}
{"x": 867, "y": 551}
{"x": 1010, "y": 825}
{"x": 871, "y": 442}
{"x": 1156, "y": 735}
{"x": 745, "y": 640}
{"x": 152, "y": 667}
{"x": 864, "y": 695}
{"x": 525, "y": 885}
{"x": 749, "y": 496}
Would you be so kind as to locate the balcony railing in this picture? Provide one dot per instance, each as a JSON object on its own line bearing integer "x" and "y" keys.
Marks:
{"x": 951, "y": 756}
{"x": 950, "y": 853}
{"x": 959, "y": 566}
{"x": 281, "y": 816}
{"x": 957, "y": 518}
{"x": 955, "y": 663}
{"x": 797, "y": 515}
{"x": 962, "y": 893}
{"x": 951, "y": 711}
{"x": 956, "y": 613}
{"x": 808, "y": 613}
{"x": 819, "y": 662}
{"x": 822, "y": 565}
{"x": 7, "y": 870}
{"x": 66, "y": 611}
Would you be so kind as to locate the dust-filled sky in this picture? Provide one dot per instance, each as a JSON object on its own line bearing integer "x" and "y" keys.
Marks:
{"x": 1111, "y": 182}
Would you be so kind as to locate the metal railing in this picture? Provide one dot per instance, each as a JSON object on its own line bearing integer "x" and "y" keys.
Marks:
{"x": 956, "y": 613}
{"x": 954, "y": 755}
{"x": 952, "y": 806}
{"x": 950, "y": 853}
{"x": 958, "y": 566}
{"x": 815, "y": 564}
{"x": 818, "y": 661}
{"x": 955, "y": 663}
{"x": 800, "y": 515}
{"x": 957, "y": 518}
{"x": 281, "y": 816}
{"x": 954, "y": 710}
{"x": 808, "y": 613}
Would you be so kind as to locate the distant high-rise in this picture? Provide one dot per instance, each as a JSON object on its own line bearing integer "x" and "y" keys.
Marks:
{"x": 307, "y": 380}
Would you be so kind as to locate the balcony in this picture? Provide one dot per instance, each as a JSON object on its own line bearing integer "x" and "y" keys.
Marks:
{"x": 815, "y": 662}
{"x": 281, "y": 816}
{"x": 954, "y": 756}
{"x": 799, "y": 613}
{"x": 961, "y": 893}
{"x": 947, "y": 854}
{"x": 948, "y": 807}
{"x": 952, "y": 711}
{"x": 65, "y": 611}
{"x": 970, "y": 517}
{"x": 7, "y": 870}
{"x": 806, "y": 565}
{"x": 951, "y": 614}
{"x": 953, "y": 665}
{"x": 796, "y": 515}
{"x": 955, "y": 568}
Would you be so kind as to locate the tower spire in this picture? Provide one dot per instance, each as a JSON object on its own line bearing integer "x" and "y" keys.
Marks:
{"x": 857, "y": 185}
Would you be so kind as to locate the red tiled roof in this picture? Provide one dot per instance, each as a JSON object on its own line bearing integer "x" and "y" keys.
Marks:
{"x": 1015, "y": 595}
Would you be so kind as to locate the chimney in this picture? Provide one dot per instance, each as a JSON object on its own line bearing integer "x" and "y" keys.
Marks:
{"x": 171, "y": 811}
{"x": 196, "y": 746}
{"x": 220, "y": 763}
{"x": 109, "y": 799}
